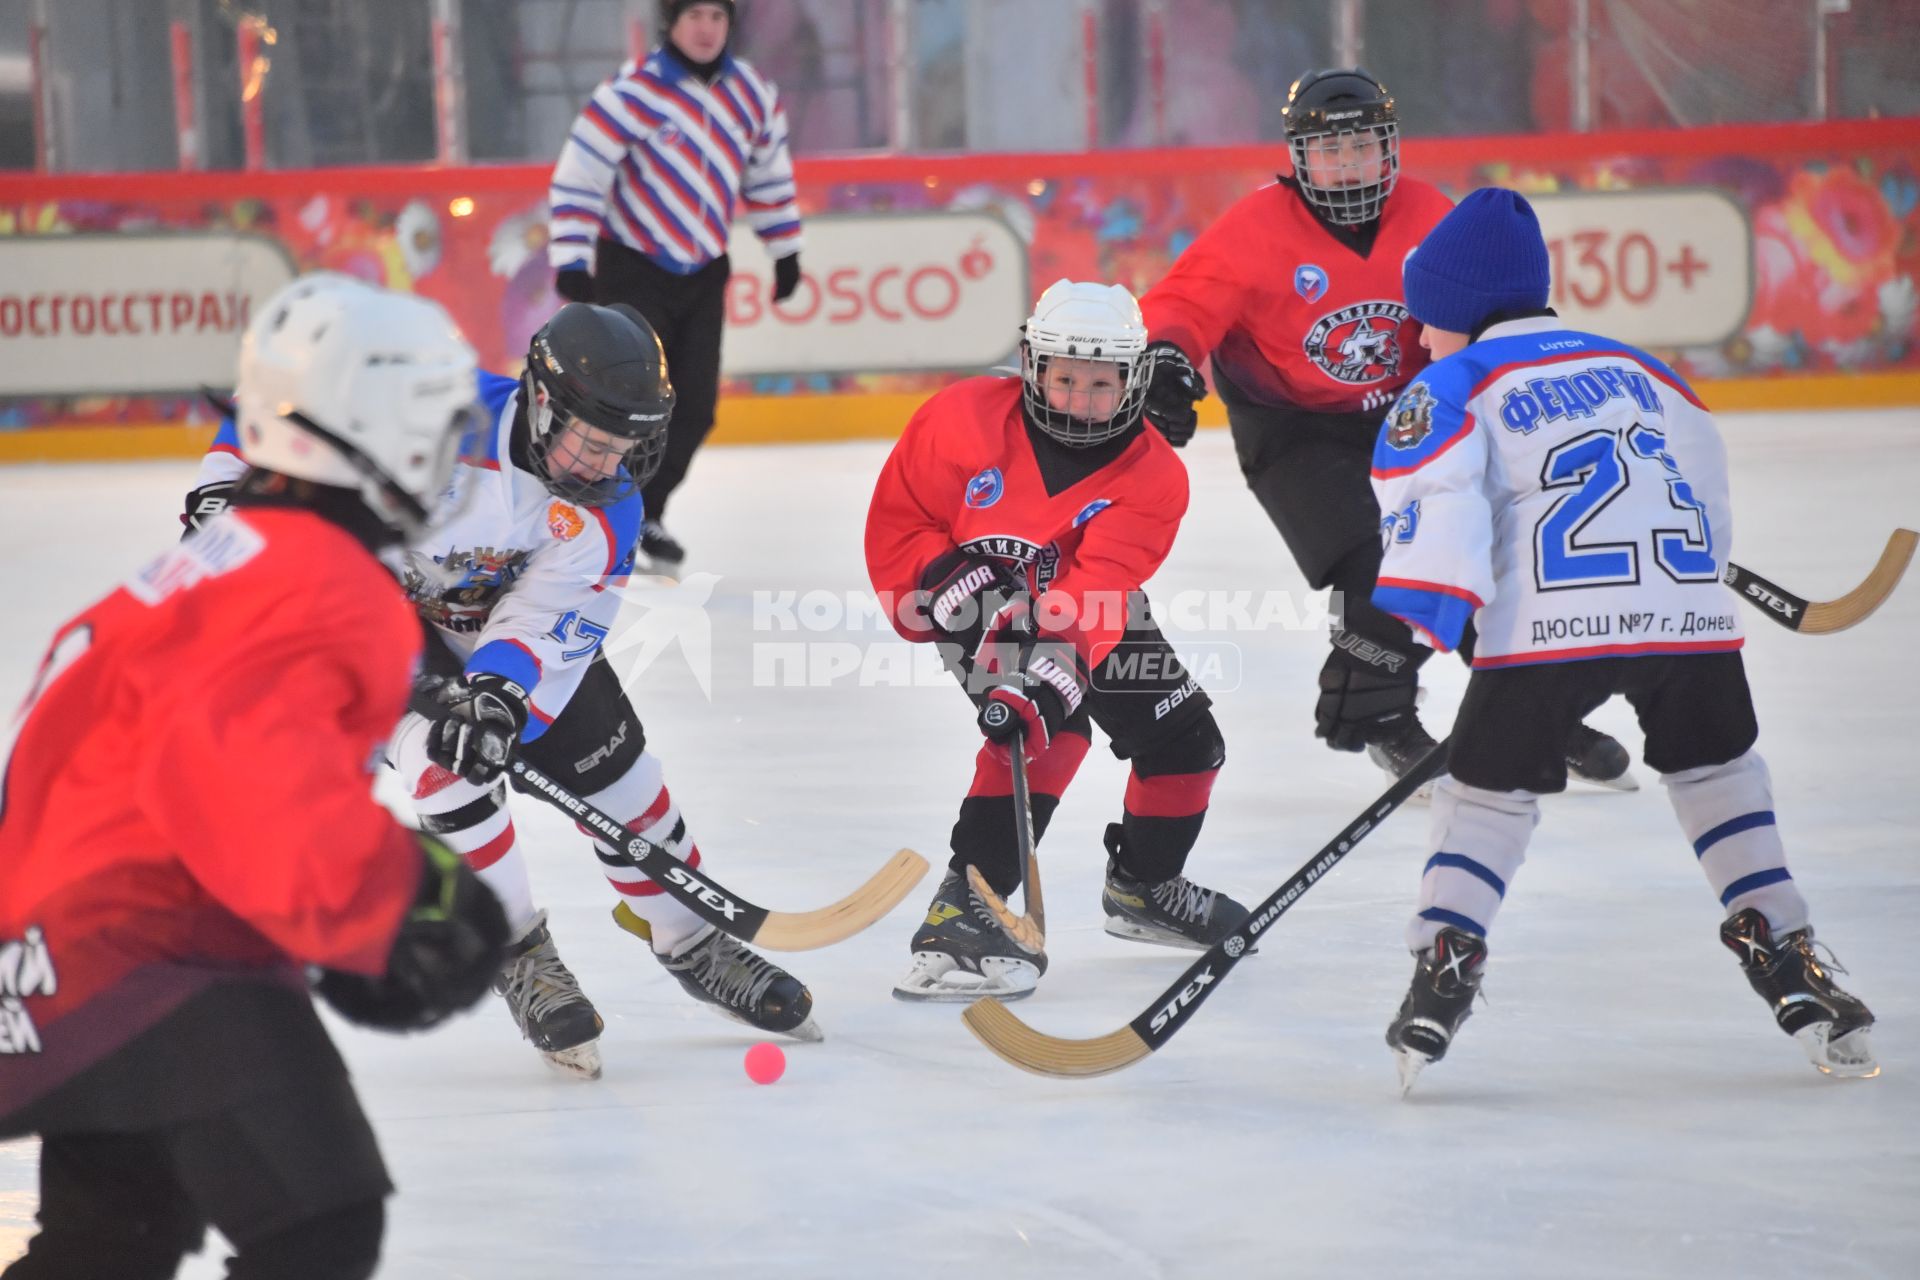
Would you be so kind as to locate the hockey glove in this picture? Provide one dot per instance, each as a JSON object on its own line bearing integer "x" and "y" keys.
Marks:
{"x": 786, "y": 276}
{"x": 450, "y": 946}
{"x": 476, "y": 725}
{"x": 1048, "y": 689}
{"x": 1361, "y": 703}
{"x": 960, "y": 592}
{"x": 575, "y": 284}
{"x": 1174, "y": 387}
{"x": 204, "y": 503}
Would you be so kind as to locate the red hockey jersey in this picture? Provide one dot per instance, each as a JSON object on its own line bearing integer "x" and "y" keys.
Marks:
{"x": 964, "y": 475}
{"x": 189, "y": 791}
{"x": 1291, "y": 312}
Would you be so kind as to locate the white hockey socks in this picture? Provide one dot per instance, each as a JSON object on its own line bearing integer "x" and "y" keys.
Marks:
{"x": 641, "y": 800}
{"x": 473, "y": 821}
{"x": 1478, "y": 841}
{"x": 1727, "y": 811}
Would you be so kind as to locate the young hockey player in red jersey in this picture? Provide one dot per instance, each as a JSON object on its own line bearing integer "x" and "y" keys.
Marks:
{"x": 1539, "y": 477}
{"x": 1013, "y": 525}
{"x": 1295, "y": 293}
{"x": 188, "y": 821}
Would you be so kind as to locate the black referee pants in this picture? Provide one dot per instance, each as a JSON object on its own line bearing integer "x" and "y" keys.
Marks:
{"x": 688, "y": 313}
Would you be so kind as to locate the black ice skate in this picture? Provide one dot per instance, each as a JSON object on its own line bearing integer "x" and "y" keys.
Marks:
{"x": 665, "y": 556}
{"x": 1404, "y": 750}
{"x": 1172, "y": 913}
{"x": 720, "y": 970}
{"x": 1598, "y": 758}
{"x": 548, "y": 1005}
{"x": 1446, "y": 977}
{"x": 961, "y": 952}
{"x": 1830, "y": 1024}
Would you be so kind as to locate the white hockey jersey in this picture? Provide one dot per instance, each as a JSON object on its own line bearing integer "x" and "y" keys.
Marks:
{"x": 519, "y": 583}
{"x": 1566, "y": 492}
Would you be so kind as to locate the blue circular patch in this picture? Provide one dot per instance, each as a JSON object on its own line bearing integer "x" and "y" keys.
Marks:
{"x": 985, "y": 489}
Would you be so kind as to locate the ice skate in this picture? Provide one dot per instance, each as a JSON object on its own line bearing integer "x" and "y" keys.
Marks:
{"x": 664, "y": 556}
{"x": 1598, "y": 758}
{"x": 1446, "y": 977}
{"x": 1831, "y": 1025}
{"x": 1173, "y": 913}
{"x": 1404, "y": 750}
{"x": 961, "y": 953}
{"x": 720, "y": 970}
{"x": 548, "y": 1005}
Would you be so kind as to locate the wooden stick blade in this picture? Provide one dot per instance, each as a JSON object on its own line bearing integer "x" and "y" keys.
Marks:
{"x": 809, "y": 930}
{"x": 1854, "y": 607}
{"x": 1045, "y": 1055}
{"x": 1029, "y": 931}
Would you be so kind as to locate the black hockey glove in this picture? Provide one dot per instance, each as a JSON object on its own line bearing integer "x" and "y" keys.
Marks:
{"x": 1361, "y": 702}
{"x": 1040, "y": 698}
{"x": 449, "y": 948}
{"x": 575, "y": 284}
{"x": 1175, "y": 386}
{"x": 961, "y": 592}
{"x": 476, "y": 726}
{"x": 786, "y": 276}
{"x": 204, "y": 503}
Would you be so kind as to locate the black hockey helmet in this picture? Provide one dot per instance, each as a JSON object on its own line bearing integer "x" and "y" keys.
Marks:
{"x": 602, "y": 367}
{"x": 1331, "y": 103}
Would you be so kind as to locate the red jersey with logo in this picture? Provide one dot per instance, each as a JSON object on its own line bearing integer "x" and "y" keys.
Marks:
{"x": 189, "y": 792}
{"x": 1293, "y": 313}
{"x": 965, "y": 474}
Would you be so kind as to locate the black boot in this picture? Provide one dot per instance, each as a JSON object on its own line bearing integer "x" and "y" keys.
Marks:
{"x": 1404, "y": 750}
{"x": 1830, "y": 1024}
{"x": 665, "y": 556}
{"x": 547, "y": 1003}
{"x": 718, "y": 969}
{"x": 1446, "y": 977}
{"x": 961, "y": 952}
{"x": 1174, "y": 912}
{"x": 1595, "y": 757}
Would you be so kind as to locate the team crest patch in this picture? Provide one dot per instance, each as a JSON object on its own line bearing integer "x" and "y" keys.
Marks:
{"x": 1411, "y": 420}
{"x": 1358, "y": 344}
{"x": 564, "y": 523}
{"x": 985, "y": 489}
{"x": 1310, "y": 281}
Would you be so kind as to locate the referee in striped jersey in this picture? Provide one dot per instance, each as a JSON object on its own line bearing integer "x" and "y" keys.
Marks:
{"x": 665, "y": 155}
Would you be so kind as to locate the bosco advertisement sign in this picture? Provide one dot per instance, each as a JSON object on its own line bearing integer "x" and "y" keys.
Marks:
{"x": 881, "y": 294}
{"x": 89, "y": 315}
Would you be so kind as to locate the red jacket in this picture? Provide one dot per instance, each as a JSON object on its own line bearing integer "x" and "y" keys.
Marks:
{"x": 1289, "y": 311}
{"x": 964, "y": 475}
{"x": 189, "y": 794}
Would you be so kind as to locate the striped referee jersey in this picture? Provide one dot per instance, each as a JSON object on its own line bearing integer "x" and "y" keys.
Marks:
{"x": 662, "y": 161}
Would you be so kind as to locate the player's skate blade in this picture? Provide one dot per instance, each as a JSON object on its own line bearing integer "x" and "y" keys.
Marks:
{"x": 1847, "y": 1057}
{"x": 936, "y": 977}
{"x": 582, "y": 1062}
{"x": 1410, "y": 1063}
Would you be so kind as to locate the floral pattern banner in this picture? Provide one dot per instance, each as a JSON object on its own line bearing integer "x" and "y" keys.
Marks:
{"x": 1835, "y": 232}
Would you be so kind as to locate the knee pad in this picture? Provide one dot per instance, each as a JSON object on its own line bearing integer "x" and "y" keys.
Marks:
{"x": 1196, "y": 748}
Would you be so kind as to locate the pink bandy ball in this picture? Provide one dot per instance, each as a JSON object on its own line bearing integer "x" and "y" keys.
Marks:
{"x": 765, "y": 1063}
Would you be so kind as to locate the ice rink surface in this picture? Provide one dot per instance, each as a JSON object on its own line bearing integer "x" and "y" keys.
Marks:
{"x": 1621, "y": 1104}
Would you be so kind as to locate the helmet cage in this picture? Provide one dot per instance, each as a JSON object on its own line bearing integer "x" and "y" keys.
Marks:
{"x": 1080, "y": 431}
{"x": 550, "y": 422}
{"x": 1357, "y": 199}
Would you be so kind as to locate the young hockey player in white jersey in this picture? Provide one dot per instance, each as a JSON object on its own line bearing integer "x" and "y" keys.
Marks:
{"x": 518, "y": 589}
{"x": 1568, "y": 494}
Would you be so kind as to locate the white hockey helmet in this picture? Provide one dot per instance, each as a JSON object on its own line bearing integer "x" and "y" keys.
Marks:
{"x": 346, "y": 384}
{"x": 1094, "y": 323}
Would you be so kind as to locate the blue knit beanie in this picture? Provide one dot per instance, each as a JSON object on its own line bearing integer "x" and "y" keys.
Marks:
{"x": 1485, "y": 257}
